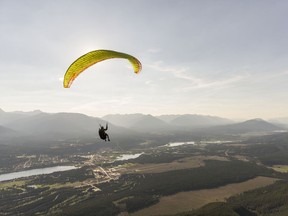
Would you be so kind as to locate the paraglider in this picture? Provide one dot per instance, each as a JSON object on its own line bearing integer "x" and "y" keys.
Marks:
{"x": 102, "y": 133}
{"x": 93, "y": 57}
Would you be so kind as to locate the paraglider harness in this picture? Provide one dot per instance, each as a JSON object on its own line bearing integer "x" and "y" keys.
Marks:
{"x": 102, "y": 132}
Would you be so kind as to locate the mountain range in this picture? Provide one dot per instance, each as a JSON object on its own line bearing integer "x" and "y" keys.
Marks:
{"x": 137, "y": 122}
{"x": 66, "y": 125}
{"x": 193, "y": 120}
{"x": 57, "y": 125}
{"x": 250, "y": 126}
{"x": 163, "y": 122}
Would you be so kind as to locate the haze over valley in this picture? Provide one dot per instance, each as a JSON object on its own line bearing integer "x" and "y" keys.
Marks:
{"x": 143, "y": 150}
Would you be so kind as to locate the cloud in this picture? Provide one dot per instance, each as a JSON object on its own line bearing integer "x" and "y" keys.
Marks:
{"x": 194, "y": 82}
{"x": 158, "y": 66}
{"x": 218, "y": 83}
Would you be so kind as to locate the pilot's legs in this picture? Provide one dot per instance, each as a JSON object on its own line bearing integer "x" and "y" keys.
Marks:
{"x": 107, "y": 136}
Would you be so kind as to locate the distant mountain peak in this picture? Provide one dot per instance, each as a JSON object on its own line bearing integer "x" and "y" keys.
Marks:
{"x": 2, "y": 111}
{"x": 124, "y": 120}
{"x": 34, "y": 112}
{"x": 37, "y": 111}
{"x": 195, "y": 120}
{"x": 252, "y": 125}
{"x": 257, "y": 119}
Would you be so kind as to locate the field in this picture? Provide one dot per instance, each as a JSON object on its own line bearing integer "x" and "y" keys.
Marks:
{"x": 9, "y": 184}
{"x": 280, "y": 168}
{"x": 186, "y": 201}
{"x": 184, "y": 163}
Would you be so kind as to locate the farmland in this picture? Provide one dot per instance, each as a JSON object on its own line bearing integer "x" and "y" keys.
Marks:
{"x": 187, "y": 201}
{"x": 156, "y": 180}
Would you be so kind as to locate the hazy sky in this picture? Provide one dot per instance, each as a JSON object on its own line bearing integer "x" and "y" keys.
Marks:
{"x": 227, "y": 58}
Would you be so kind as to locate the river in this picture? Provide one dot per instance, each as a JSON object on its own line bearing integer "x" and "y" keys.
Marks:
{"x": 32, "y": 172}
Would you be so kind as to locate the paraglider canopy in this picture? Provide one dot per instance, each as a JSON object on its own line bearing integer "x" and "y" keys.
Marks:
{"x": 93, "y": 57}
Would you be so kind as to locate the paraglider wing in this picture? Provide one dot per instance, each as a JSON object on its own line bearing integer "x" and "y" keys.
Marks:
{"x": 94, "y": 57}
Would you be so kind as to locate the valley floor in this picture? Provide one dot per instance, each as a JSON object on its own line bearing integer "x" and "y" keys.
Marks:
{"x": 162, "y": 180}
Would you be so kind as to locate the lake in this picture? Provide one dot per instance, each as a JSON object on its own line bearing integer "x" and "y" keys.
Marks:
{"x": 128, "y": 156}
{"x": 174, "y": 144}
{"x": 32, "y": 172}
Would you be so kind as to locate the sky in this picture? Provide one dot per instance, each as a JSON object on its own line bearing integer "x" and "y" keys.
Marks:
{"x": 224, "y": 58}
